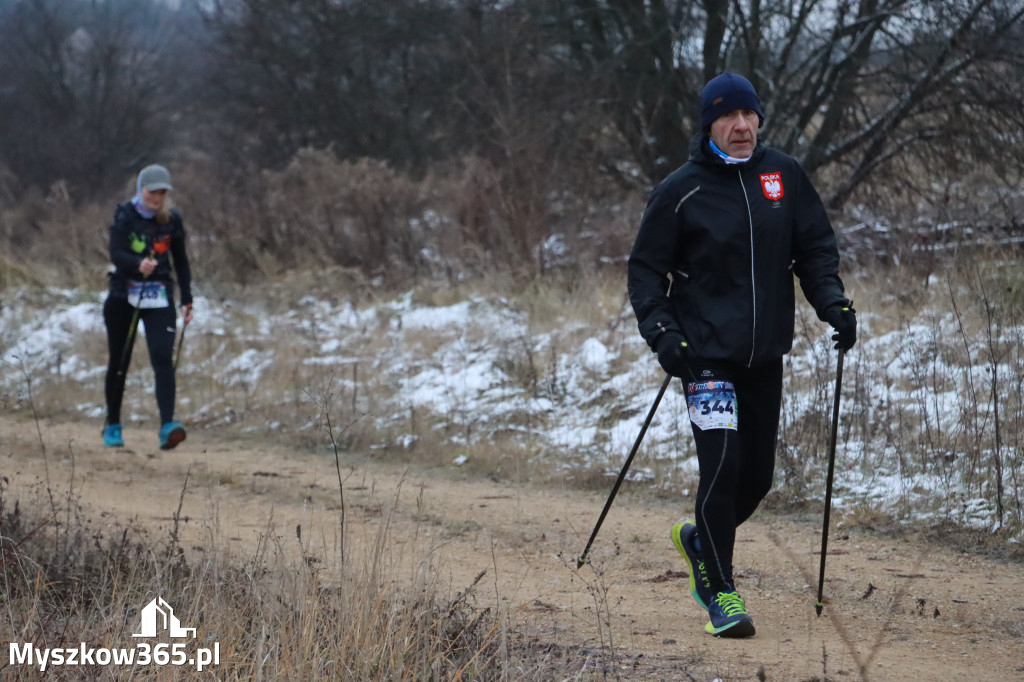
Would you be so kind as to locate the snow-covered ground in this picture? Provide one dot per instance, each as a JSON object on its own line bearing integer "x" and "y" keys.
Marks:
{"x": 916, "y": 435}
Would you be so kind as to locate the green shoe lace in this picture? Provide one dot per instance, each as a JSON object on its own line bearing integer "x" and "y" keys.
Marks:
{"x": 732, "y": 604}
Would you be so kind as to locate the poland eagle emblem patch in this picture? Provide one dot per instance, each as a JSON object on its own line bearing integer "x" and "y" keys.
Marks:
{"x": 771, "y": 185}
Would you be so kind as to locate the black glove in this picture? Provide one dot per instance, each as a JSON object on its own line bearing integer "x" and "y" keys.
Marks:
{"x": 672, "y": 353}
{"x": 844, "y": 321}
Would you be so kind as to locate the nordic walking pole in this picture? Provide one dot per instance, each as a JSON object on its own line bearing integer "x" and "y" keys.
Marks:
{"x": 828, "y": 485}
{"x": 129, "y": 342}
{"x": 625, "y": 467}
{"x": 181, "y": 342}
{"x": 122, "y": 368}
{"x": 132, "y": 329}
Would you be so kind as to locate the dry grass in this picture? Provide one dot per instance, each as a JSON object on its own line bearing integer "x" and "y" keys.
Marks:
{"x": 931, "y": 399}
{"x": 292, "y": 609}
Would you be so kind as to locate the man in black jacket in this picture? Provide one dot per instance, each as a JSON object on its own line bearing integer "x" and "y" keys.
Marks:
{"x": 711, "y": 283}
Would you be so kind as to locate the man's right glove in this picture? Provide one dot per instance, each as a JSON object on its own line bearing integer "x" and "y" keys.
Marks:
{"x": 844, "y": 321}
{"x": 672, "y": 353}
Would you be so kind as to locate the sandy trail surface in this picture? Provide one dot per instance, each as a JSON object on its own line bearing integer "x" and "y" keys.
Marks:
{"x": 896, "y": 608}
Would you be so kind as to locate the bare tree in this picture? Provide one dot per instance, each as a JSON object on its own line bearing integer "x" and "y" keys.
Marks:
{"x": 87, "y": 92}
{"x": 421, "y": 84}
{"x": 897, "y": 87}
{"x": 369, "y": 79}
{"x": 631, "y": 58}
{"x": 875, "y": 97}
{"x": 859, "y": 91}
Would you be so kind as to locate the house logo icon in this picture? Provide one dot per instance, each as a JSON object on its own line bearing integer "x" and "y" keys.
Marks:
{"x": 158, "y": 615}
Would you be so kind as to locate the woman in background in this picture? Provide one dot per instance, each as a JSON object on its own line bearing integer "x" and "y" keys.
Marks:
{"x": 147, "y": 240}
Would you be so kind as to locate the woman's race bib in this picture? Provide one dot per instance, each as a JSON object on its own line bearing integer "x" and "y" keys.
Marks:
{"x": 147, "y": 295}
{"x": 712, "y": 405}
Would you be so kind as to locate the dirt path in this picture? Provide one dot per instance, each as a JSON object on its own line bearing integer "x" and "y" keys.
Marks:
{"x": 897, "y": 609}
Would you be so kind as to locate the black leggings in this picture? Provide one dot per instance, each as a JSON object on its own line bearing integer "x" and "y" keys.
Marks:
{"x": 736, "y": 466}
{"x": 160, "y": 325}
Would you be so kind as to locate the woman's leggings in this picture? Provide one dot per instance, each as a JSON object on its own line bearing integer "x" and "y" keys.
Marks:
{"x": 160, "y": 325}
{"x": 736, "y": 465}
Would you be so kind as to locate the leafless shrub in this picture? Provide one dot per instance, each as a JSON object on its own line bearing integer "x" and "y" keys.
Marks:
{"x": 932, "y": 405}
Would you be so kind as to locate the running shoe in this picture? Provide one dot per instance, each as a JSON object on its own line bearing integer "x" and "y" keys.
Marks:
{"x": 729, "y": 617}
{"x": 112, "y": 436}
{"x": 171, "y": 434}
{"x": 683, "y": 534}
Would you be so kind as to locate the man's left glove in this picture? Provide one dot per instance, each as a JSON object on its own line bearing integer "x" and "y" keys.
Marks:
{"x": 844, "y": 321}
{"x": 672, "y": 353}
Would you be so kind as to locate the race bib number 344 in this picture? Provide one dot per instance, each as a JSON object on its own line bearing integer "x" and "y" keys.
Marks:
{"x": 712, "y": 405}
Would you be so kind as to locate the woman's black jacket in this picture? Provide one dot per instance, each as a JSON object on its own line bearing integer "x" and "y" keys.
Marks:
{"x": 134, "y": 237}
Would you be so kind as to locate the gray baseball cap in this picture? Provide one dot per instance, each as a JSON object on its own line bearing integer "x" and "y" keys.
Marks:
{"x": 153, "y": 178}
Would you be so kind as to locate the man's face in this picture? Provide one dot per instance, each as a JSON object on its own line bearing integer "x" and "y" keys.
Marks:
{"x": 735, "y": 133}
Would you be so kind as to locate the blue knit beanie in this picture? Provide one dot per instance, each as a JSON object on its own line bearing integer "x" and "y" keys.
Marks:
{"x": 724, "y": 93}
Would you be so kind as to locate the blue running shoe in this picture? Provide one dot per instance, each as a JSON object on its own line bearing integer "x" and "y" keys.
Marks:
{"x": 729, "y": 617}
{"x": 683, "y": 534}
{"x": 171, "y": 434}
{"x": 112, "y": 436}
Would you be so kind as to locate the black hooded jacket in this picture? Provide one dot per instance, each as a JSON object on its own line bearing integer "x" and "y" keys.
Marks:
{"x": 717, "y": 249}
{"x": 133, "y": 237}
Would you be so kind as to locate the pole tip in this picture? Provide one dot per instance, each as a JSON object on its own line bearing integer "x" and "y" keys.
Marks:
{"x": 818, "y": 607}
{"x": 580, "y": 560}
